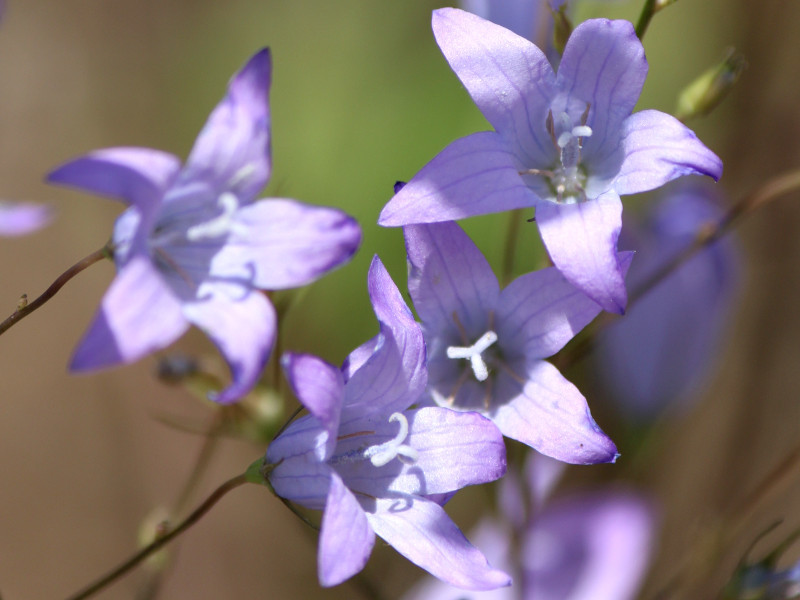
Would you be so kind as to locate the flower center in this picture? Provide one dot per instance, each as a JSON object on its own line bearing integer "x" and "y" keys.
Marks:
{"x": 382, "y": 454}
{"x": 474, "y": 354}
{"x": 220, "y": 225}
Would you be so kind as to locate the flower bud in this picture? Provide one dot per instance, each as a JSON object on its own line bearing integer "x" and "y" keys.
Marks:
{"x": 708, "y": 90}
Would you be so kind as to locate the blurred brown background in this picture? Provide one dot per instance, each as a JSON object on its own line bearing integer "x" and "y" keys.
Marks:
{"x": 361, "y": 97}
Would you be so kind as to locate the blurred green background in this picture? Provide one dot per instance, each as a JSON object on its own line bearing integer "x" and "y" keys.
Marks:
{"x": 361, "y": 97}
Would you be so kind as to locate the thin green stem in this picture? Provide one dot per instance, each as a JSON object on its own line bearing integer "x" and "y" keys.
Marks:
{"x": 159, "y": 543}
{"x": 26, "y": 309}
{"x": 648, "y": 10}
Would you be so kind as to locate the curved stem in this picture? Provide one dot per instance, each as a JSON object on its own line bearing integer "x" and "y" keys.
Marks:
{"x": 648, "y": 10}
{"x": 26, "y": 309}
{"x": 157, "y": 544}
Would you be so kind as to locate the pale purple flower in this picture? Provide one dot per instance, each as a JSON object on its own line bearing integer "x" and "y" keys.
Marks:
{"x": 369, "y": 461}
{"x": 486, "y": 347}
{"x": 663, "y": 349}
{"x": 194, "y": 246}
{"x": 22, "y": 218}
{"x": 566, "y": 144}
{"x": 527, "y": 18}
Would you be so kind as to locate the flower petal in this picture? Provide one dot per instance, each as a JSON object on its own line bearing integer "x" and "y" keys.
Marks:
{"x": 581, "y": 239}
{"x": 541, "y": 311}
{"x": 604, "y": 68}
{"x": 659, "y": 148}
{"x": 447, "y": 274}
{"x": 509, "y": 79}
{"x": 320, "y": 388}
{"x": 475, "y": 175}
{"x": 296, "y": 471}
{"x": 276, "y": 244}
{"x": 21, "y": 218}
{"x": 233, "y": 149}
{"x": 137, "y": 176}
{"x": 138, "y": 314}
{"x": 549, "y": 414}
{"x": 345, "y": 538}
{"x": 421, "y": 531}
{"x": 243, "y": 328}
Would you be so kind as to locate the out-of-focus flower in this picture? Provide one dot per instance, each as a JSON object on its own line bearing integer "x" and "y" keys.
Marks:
{"x": 371, "y": 463}
{"x": 661, "y": 350}
{"x": 566, "y": 144}
{"x": 486, "y": 347}
{"x": 195, "y": 246}
{"x": 21, "y": 218}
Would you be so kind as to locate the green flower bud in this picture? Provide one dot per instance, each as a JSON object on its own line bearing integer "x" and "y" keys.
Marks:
{"x": 708, "y": 90}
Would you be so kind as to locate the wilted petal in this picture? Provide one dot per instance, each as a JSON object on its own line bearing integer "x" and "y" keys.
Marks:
{"x": 604, "y": 68}
{"x": 581, "y": 239}
{"x": 320, "y": 388}
{"x": 137, "y": 176}
{"x": 447, "y": 275}
{"x": 541, "y": 311}
{"x": 345, "y": 537}
{"x": 475, "y": 175}
{"x": 232, "y": 150}
{"x": 243, "y": 328}
{"x": 138, "y": 314}
{"x": 421, "y": 531}
{"x": 510, "y": 79}
{"x": 548, "y": 413}
{"x": 21, "y": 218}
{"x": 276, "y": 243}
{"x": 659, "y": 148}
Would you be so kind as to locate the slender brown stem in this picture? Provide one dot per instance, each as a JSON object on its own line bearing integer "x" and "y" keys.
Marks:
{"x": 157, "y": 544}
{"x": 25, "y": 310}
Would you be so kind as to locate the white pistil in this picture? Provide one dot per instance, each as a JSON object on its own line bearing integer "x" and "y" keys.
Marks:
{"x": 474, "y": 354}
{"x": 219, "y": 225}
{"x": 382, "y": 454}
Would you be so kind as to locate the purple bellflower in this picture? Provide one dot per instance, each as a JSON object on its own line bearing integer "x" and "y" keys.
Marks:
{"x": 369, "y": 461}
{"x": 486, "y": 347}
{"x": 660, "y": 352}
{"x": 21, "y": 218}
{"x": 194, "y": 246}
{"x": 565, "y": 144}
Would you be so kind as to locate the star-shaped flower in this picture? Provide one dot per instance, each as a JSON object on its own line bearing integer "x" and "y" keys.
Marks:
{"x": 486, "y": 347}
{"x": 372, "y": 464}
{"x": 566, "y": 144}
{"x": 194, "y": 246}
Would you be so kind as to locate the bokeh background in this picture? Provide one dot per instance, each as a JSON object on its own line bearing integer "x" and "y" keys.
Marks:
{"x": 361, "y": 97}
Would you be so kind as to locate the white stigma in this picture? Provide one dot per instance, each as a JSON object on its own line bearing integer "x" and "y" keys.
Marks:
{"x": 474, "y": 354}
{"x": 219, "y": 225}
{"x": 382, "y": 454}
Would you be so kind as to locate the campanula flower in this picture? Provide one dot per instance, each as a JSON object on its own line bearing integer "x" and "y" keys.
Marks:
{"x": 486, "y": 346}
{"x": 565, "y": 144}
{"x": 195, "y": 246}
{"x": 660, "y": 352}
{"x": 21, "y": 218}
{"x": 371, "y": 463}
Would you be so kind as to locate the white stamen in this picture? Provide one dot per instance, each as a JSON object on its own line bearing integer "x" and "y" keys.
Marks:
{"x": 382, "y": 454}
{"x": 473, "y": 353}
{"x": 241, "y": 175}
{"x": 582, "y": 131}
{"x": 218, "y": 226}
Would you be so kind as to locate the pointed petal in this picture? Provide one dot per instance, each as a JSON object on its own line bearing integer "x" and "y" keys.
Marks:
{"x": 510, "y": 79}
{"x": 356, "y": 359}
{"x": 658, "y": 149}
{"x": 475, "y": 175}
{"x": 138, "y": 314}
{"x": 21, "y": 218}
{"x": 233, "y": 149}
{"x": 345, "y": 537}
{"x": 549, "y": 414}
{"x": 243, "y": 328}
{"x": 421, "y": 531}
{"x": 540, "y": 312}
{"x": 448, "y": 274}
{"x": 603, "y": 67}
{"x": 320, "y": 388}
{"x": 394, "y": 376}
{"x": 582, "y": 242}
{"x": 276, "y": 244}
{"x": 137, "y": 176}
